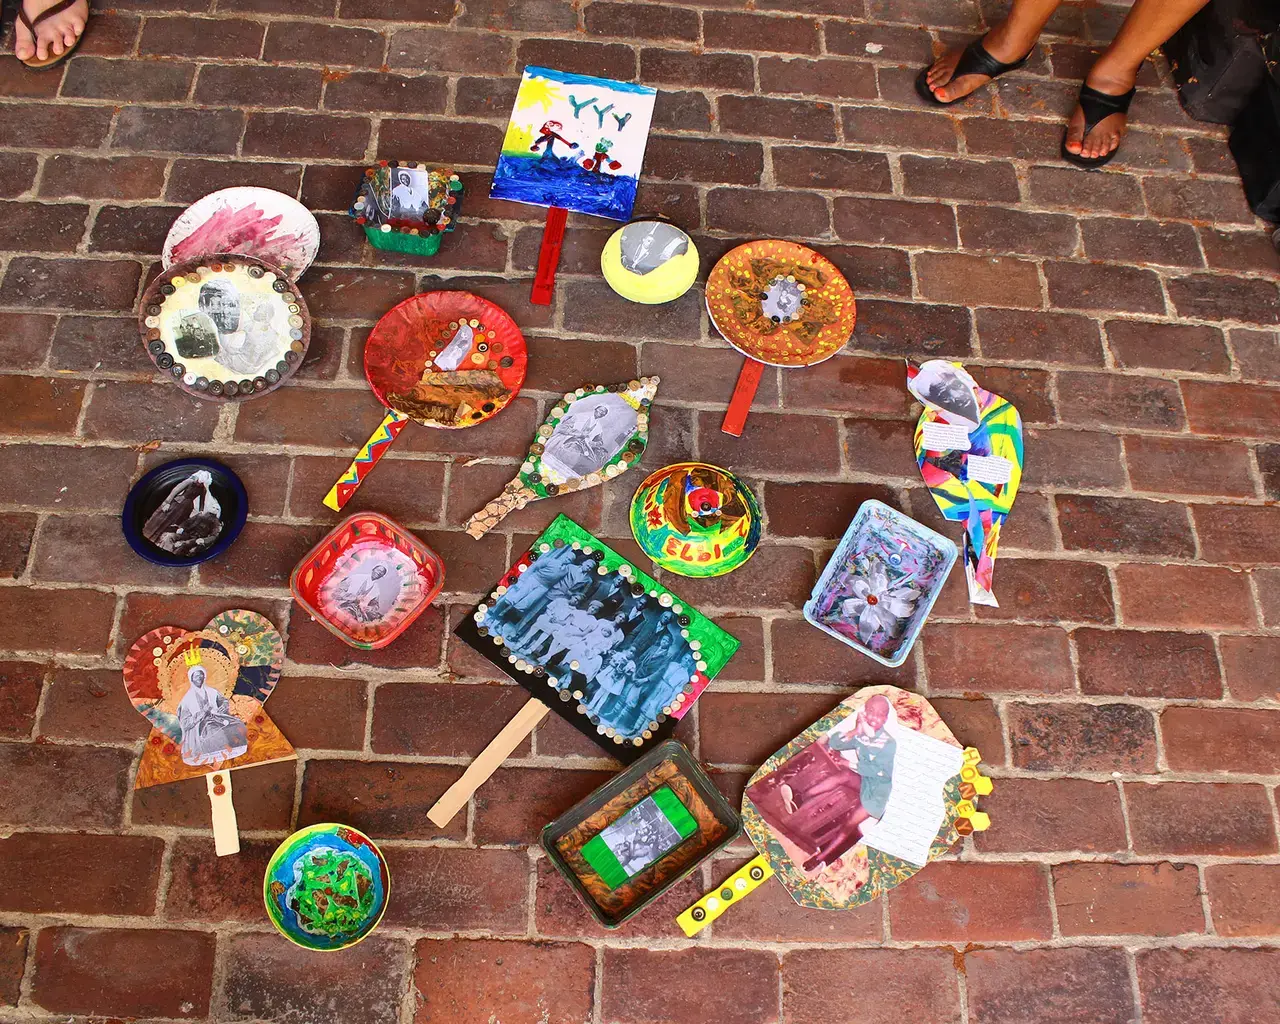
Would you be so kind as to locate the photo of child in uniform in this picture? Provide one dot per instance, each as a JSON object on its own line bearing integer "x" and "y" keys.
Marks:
{"x": 828, "y": 796}
{"x": 189, "y": 519}
{"x": 622, "y": 652}
{"x": 210, "y": 732}
{"x": 591, "y": 433}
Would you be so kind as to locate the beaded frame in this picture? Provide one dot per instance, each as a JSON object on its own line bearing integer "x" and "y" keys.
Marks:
{"x": 712, "y": 646}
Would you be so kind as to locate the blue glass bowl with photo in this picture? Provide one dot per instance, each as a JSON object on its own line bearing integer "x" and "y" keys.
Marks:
{"x": 881, "y": 583}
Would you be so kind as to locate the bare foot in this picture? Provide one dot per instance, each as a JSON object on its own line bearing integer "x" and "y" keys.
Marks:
{"x": 999, "y": 42}
{"x": 55, "y": 35}
{"x": 1107, "y": 133}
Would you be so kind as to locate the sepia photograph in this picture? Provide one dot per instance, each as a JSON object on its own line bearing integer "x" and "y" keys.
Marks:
{"x": 623, "y": 653}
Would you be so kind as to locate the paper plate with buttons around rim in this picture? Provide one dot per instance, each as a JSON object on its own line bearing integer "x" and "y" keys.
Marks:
{"x": 326, "y": 887}
{"x": 779, "y": 304}
{"x": 695, "y": 519}
{"x": 258, "y": 222}
{"x": 225, "y": 327}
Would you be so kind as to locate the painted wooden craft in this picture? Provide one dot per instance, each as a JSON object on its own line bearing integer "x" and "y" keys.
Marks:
{"x": 854, "y": 806}
{"x": 203, "y": 693}
{"x": 781, "y": 304}
{"x": 591, "y": 436}
{"x": 443, "y": 359}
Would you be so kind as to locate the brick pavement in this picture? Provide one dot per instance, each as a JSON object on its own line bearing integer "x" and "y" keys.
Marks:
{"x": 1124, "y": 693}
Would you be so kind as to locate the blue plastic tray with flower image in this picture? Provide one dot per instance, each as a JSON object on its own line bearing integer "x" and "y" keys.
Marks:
{"x": 880, "y": 584}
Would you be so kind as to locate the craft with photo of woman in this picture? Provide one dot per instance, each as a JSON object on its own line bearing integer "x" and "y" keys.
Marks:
{"x": 189, "y": 520}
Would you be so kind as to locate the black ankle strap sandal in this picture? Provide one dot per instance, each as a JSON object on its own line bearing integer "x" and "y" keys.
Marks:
{"x": 974, "y": 61}
{"x": 1097, "y": 107}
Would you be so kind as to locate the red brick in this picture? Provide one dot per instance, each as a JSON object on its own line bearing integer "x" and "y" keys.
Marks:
{"x": 1064, "y": 985}
{"x": 1269, "y": 467}
{"x": 145, "y": 412}
{"x": 1128, "y": 899}
{"x": 196, "y": 132}
{"x": 125, "y": 973}
{"x": 514, "y": 805}
{"x": 1218, "y": 297}
{"x": 263, "y": 795}
{"x": 1141, "y": 241}
{"x": 91, "y": 285}
{"x": 1244, "y": 899}
{"x": 268, "y": 979}
{"x": 21, "y": 683}
{"x": 831, "y": 169}
{"x": 1249, "y": 665}
{"x": 918, "y": 984}
{"x": 13, "y": 962}
{"x": 28, "y": 339}
{"x": 1234, "y": 986}
{"x": 320, "y": 714}
{"x": 311, "y": 644}
{"x": 447, "y": 890}
{"x": 880, "y": 446}
{"x": 39, "y": 405}
{"x": 725, "y": 30}
{"x": 410, "y": 491}
{"x": 902, "y": 328}
{"x": 261, "y": 86}
{"x": 49, "y": 125}
{"x": 1234, "y": 410}
{"x": 387, "y": 799}
{"x": 682, "y": 111}
{"x": 92, "y": 549}
{"x": 61, "y": 874}
{"x": 882, "y": 127}
{"x": 85, "y": 704}
{"x": 990, "y": 657}
{"x": 412, "y": 10}
{"x": 1001, "y": 230}
{"x": 191, "y": 37}
{"x": 1186, "y": 819}
{"x": 191, "y": 179}
{"x": 1247, "y": 250}
{"x": 145, "y": 611}
{"x": 975, "y": 723}
{"x": 985, "y": 280}
{"x": 132, "y": 229}
{"x": 1059, "y": 186}
{"x": 745, "y": 729}
{"x": 1184, "y": 198}
{"x": 265, "y": 476}
{"x": 206, "y": 887}
{"x": 1125, "y": 525}
{"x": 1017, "y": 140}
{"x": 1048, "y": 815}
{"x": 374, "y": 91}
{"x": 1104, "y": 287}
{"x": 73, "y": 621}
{"x": 1200, "y": 739}
{"x": 141, "y": 81}
{"x": 772, "y": 442}
{"x": 1042, "y": 336}
{"x": 1186, "y": 596}
{"x": 803, "y": 655}
{"x": 521, "y": 15}
{"x": 271, "y": 134}
{"x": 818, "y": 510}
{"x": 637, "y": 21}
{"x": 1051, "y": 590}
{"x": 895, "y": 222}
{"x": 1028, "y": 390}
{"x": 895, "y": 42}
{"x": 442, "y": 720}
{"x": 1268, "y": 581}
{"x": 1238, "y": 533}
{"x": 446, "y": 50}
{"x": 827, "y": 77}
{"x": 959, "y": 179}
{"x": 1147, "y": 664}
{"x": 1073, "y": 458}
{"x": 314, "y": 43}
{"x": 710, "y": 70}
{"x": 1168, "y": 346}
{"x": 119, "y": 177}
{"x": 738, "y": 209}
{"x": 601, "y": 59}
{"x": 1187, "y": 465}
{"x": 1082, "y": 738}
{"x": 882, "y": 271}
{"x": 477, "y": 981}
{"x": 956, "y": 901}
{"x": 16, "y": 532}
{"x": 691, "y": 977}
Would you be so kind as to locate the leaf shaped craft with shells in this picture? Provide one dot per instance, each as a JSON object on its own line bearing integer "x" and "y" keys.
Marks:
{"x": 591, "y": 435}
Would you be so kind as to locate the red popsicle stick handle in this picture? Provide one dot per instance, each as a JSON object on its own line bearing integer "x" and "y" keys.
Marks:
{"x": 544, "y": 281}
{"x": 735, "y": 417}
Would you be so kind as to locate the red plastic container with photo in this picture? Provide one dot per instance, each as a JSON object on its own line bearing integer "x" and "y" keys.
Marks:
{"x": 368, "y": 580}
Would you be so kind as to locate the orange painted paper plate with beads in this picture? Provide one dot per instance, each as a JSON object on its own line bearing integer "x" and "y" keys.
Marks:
{"x": 779, "y": 304}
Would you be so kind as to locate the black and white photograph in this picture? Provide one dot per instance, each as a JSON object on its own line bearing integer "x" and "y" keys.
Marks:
{"x": 640, "y": 836}
{"x": 411, "y": 195}
{"x": 949, "y": 388}
{"x": 221, "y": 301}
{"x": 591, "y": 433}
{"x": 647, "y": 245}
{"x": 621, "y": 655}
{"x": 261, "y": 343}
{"x": 194, "y": 335}
{"x": 369, "y": 586}
{"x": 210, "y": 732}
{"x": 188, "y": 520}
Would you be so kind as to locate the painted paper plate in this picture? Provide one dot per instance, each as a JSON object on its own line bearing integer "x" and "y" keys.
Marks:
{"x": 695, "y": 519}
{"x": 258, "y": 222}
{"x": 781, "y": 303}
{"x": 184, "y": 512}
{"x": 649, "y": 261}
{"x": 225, "y": 327}
{"x": 367, "y": 580}
{"x": 326, "y": 887}
{"x": 446, "y": 359}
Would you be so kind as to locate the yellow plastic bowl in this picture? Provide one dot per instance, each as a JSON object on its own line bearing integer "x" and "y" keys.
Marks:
{"x": 662, "y": 284}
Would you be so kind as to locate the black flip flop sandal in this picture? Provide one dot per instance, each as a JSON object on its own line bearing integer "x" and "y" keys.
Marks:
{"x": 1097, "y": 107}
{"x": 30, "y": 24}
{"x": 974, "y": 61}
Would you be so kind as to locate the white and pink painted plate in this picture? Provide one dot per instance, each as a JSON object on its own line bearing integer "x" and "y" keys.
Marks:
{"x": 248, "y": 221}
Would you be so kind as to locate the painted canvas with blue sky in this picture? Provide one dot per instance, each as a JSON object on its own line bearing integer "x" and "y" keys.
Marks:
{"x": 576, "y": 142}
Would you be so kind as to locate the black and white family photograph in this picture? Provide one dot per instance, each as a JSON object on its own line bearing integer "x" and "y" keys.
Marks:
{"x": 640, "y": 836}
{"x": 591, "y": 433}
{"x": 246, "y": 334}
{"x": 188, "y": 520}
{"x": 623, "y": 652}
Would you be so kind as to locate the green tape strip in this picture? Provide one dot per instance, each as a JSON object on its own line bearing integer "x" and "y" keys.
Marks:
{"x": 604, "y": 863}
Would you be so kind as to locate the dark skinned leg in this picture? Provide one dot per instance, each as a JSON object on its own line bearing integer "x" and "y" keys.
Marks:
{"x": 1011, "y": 40}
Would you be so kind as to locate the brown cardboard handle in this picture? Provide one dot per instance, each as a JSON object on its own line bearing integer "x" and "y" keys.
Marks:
{"x": 513, "y": 496}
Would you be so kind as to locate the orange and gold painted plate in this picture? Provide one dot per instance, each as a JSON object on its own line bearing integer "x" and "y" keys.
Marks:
{"x": 781, "y": 303}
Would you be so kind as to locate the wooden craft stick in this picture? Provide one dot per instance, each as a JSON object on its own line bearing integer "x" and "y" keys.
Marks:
{"x": 544, "y": 281}
{"x": 374, "y": 448}
{"x": 456, "y": 796}
{"x": 735, "y": 417}
{"x": 512, "y": 498}
{"x": 226, "y": 832}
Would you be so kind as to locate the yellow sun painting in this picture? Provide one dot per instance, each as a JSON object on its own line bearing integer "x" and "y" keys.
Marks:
{"x": 537, "y": 92}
